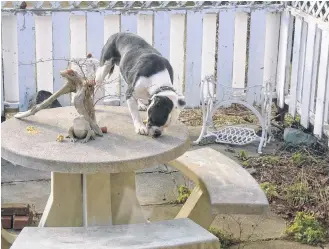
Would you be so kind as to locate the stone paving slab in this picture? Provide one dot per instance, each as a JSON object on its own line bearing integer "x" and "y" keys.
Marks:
{"x": 35, "y": 193}
{"x": 251, "y": 227}
{"x": 12, "y": 173}
{"x": 152, "y": 188}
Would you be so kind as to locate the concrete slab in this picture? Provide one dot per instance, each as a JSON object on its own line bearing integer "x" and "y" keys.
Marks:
{"x": 15, "y": 173}
{"x": 161, "y": 212}
{"x": 159, "y": 188}
{"x": 251, "y": 227}
{"x": 35, "y": 193}
{"x": 152, "y": 188}
{"x": 175, "y": 234}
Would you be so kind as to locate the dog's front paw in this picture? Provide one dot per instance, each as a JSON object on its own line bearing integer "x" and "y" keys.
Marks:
{"x": 142, "y": 107}
{"x": 73, "y": 140}
{"x": 141, "y": 129}
{"x": 84, "y": 140}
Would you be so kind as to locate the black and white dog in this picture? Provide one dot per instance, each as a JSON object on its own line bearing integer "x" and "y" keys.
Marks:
{"x": 149, "y": 77}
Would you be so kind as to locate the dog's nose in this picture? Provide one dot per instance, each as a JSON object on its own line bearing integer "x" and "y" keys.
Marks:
{"x": 157, "y": 133}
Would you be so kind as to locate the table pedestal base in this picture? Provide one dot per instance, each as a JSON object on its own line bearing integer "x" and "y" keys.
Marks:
{"x": 92, "y": 200}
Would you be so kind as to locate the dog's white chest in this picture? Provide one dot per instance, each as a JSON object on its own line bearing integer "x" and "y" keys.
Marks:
{"x": 141, "y": 88}
{"x": 145, "y": 85}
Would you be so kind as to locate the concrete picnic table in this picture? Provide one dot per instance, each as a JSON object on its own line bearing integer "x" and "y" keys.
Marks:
{"x": 92, "y": 184}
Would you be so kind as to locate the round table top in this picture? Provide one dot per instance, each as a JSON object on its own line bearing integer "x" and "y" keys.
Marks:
{"x": 119, "y": 150}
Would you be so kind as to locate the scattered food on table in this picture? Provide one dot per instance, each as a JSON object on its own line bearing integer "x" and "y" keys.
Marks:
{"x": 60, "y": 138}
{"x": 32, "y": 130}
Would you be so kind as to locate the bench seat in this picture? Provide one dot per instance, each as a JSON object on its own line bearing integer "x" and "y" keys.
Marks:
{"x": 179, "y": 233}
{"x": 226, "y": 185}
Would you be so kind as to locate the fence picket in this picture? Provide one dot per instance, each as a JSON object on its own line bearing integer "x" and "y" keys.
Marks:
{"x": 10, "y": 59}
{"x": 282, "y": 59}
{"x": 256, "y": 56}
{"x": 162, "y": 32}
{"x": 43, "y": 45}
{"x": 316, "y": 58}
{"x": 112, "y": 86}
{"x": 289, "y": 53}
{"x": 240, "y": 48}
{"x": 225, "y": 54}
{"x": 301, "y": 65}
{"x": 271, "y": 45}
{"x": 61, "y": 50}
{"x": 26, "y": 58}
{"x": 95, "y": 37}
{"x": 294, "y": 66}
{"x": 326, "y": 105}
{"x": 145, "y": 27}
{"x": 177, "y": 50}
{"x": 128, "y": 24}
{"x": 193, "y": 55}
{"x": 209, "y": 49}
{"x": 323, "y": 80}
{"x": 2, "y": 92}
{"x": 306, "y": 92}
{"x": 78, "y": 46}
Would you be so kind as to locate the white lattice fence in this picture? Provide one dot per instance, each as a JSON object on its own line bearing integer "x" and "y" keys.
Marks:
{"x": 199, "y": 39}
{"x": 306, "y": 85}
{"x": 318, "y": 9}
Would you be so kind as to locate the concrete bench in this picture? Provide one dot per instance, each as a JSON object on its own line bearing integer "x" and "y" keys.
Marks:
{"x": 180, "y": 233}
{"x": 222, "y": 187}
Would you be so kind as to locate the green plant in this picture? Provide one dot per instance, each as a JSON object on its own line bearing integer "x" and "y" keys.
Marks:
{"x": 245, "y": 164}
{"x": 289, "y": 121}
{"x": 183, "y": 194}
{"x": 269, "y": 189}
{"x": 271, "y": 160}
{"x": 226, "y": 240}
{"x": 298, "y": 193}
{"x": 298, "y": 158}
{"x": 243, "y": 155}
{"x": 306, "y": 229}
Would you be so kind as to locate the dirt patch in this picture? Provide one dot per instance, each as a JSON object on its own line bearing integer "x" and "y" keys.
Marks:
{"x": 236, "y": 114}
{"x": 295, "y": 179}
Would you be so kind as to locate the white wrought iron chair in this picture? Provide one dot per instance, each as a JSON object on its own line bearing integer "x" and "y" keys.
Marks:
{"x": 235, "y": 135}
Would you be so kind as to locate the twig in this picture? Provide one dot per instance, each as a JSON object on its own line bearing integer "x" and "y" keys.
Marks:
{"x": 109, "y": 95}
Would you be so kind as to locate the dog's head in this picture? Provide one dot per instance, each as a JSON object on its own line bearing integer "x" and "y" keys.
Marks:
{"x": 163, "y": 108}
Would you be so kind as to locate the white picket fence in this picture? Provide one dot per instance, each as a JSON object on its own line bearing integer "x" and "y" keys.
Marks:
{"x": 305, "y": 85}
{"x": 243, "y": 44}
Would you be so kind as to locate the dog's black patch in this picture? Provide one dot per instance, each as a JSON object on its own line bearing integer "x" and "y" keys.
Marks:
{"x": 135, "y": 57}
{"x": 158, "y": 112}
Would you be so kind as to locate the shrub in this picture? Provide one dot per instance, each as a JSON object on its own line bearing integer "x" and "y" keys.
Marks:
{"x": 269, "y": 189}
{"x": 307, "y": 230}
